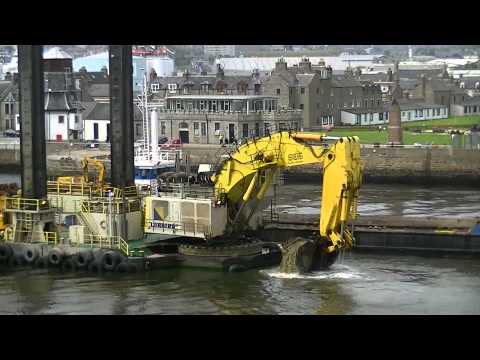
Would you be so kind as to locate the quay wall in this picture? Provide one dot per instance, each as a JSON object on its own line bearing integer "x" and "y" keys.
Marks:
{"x": 406, "y": 165}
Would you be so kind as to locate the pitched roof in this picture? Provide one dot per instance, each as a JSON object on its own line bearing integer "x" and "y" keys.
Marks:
{"x": 57, "y": 101}
{"x": 305, "y": 79}
{"x": 101, "y": 111}
{"x": 99, "y": 90}
{"x": 342, "y": 81}
{"x": 5, "y": 87}
{"x": 93, "y": 76}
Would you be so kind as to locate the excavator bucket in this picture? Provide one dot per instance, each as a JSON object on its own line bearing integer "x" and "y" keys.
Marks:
{"x": 302, "y": 255}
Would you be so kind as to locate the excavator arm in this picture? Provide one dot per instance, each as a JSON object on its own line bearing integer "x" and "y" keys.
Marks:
{"x": 247, "y": 174}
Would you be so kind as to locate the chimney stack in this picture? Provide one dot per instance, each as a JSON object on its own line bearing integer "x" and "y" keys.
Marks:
{"x": 281, "y": 65}
{"x": 395, "y": 124}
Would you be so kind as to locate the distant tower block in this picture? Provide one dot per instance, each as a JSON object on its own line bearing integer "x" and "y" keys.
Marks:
{"x": 394, "y": 124}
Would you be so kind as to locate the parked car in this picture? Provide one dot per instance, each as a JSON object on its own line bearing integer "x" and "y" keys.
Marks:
{"x": 11, "y": 133}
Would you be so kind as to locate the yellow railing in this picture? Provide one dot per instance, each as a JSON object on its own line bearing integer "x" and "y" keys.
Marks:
{"x": 62, "y": 188}
{"x": 23, "y": 204}
{"x": 49, "y": 237}
{"x": 112, "y": 242}
{"x": 89, "y": 189}
{"x": 102, "y": 206}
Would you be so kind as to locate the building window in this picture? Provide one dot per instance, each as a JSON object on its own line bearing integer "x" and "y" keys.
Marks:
{"x": 216, "y": 126}
{"x": 380, "y": 116}
{"x": 366, "y": 103}
{"x": 214, "y": 105}
{"x": 162, "y": 128}
{"x": 302, "y": 90}
{"x": 196, "y": 131}
{"x": 325, "y": 120}
{"x": 345, "y": 105}
{"x": 474, "y": 108}
{"x": 278, "y": 91}
{"x": 61, "y": 119}
{"x": 226, "y": 106}
{"x": 301, "y": 106}
{"x": 202, "y": 105}
{"x": 378, "y": 102}
{"x": 185, "y": 90}
{"x": 205, "y": 88}
{"x": 386, "y": 115}
{"x": 204, "y": 129}
{"x": 371, "y": 117}
{"x": 358, "y": 119}
{"x": 465, "y": 110}
{"x": 76, "y": 119}
{"x": 257, "y": 129}
{"x": 7, "y": 109}
{"x": 245, "y": 130}
{"x": 172, "y": 88}
{"x": 155, "y": 88}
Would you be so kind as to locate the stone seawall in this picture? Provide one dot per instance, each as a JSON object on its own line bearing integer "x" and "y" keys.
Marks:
{"x": 410, "y": 166}
{"x": 381, "y": 165}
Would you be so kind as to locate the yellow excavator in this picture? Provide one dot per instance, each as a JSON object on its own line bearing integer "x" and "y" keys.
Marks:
{"x": 246, "y": 175}
{"x": 84, "y": 179}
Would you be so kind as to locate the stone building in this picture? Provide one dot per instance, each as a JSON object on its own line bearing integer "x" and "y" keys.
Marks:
{"x": 9, "y": 105}
{"x": 203, "y": 84}
{"x": 318, "y": 92}
{"x": 204, "y": 118}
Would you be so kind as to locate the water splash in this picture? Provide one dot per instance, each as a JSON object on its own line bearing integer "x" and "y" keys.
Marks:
{"x": 337, "y": 271}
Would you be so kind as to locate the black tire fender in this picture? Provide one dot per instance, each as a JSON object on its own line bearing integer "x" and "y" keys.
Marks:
{"x": 5, "y": 252}
{"x": 41, "y": 262}
{"x": 68, "y": 265}
{"x": 30, "y": 254}
{"x": 110, "y": 260}
{"x": 123, "y": 267}
{"x": 83, "y": 259}
{"x": 16, "y": 260}
{"x": 95, "y": 267}
{"x": 55, "y": 257}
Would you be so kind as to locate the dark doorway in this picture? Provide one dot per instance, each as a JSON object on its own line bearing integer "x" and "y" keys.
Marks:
{"x": 231, "y": 132}
{"x": 95, "y": 131}
{"x": 184, "y": 136}
{"x": 108, "y": 132}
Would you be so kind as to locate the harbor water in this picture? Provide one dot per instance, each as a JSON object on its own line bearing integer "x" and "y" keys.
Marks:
{"x": 361, "y": 283}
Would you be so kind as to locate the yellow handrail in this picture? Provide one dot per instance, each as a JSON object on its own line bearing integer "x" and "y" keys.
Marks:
{"x": 24, "y": 204}
{"x": 113, "y": 242}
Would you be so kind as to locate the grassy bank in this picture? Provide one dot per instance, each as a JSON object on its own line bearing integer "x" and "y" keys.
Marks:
{"x": 459, "y": 122}
{"x": 409, "y": 138}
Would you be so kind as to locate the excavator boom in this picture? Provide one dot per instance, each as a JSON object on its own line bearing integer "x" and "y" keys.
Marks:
{"x": 249, "y": 171}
